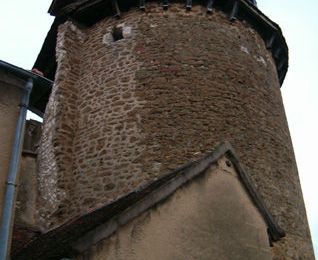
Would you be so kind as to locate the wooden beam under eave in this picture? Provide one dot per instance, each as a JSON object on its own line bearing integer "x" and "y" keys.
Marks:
{"x": 209, "y": 6}
{"x": 116, "y": 8}
{"x": 281, "y": 64}
{"x": 188, "y": 5}
{"x": 277, "y": 52}
{"x": 165, "y": 4}
{"x": 142, "y": 5}
{"x": 270, "y": 41}
{"x": 234, "y": 10}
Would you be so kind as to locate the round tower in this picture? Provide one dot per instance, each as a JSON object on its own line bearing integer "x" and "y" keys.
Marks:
{"x": 159, "y": 85}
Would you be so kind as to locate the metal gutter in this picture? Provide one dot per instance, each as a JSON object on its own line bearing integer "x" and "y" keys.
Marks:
{"x": 35, "y": 87}
{"x": 24, "y": 74}
{"x": 42, "y": 86}
{"x": 8, "y": 209}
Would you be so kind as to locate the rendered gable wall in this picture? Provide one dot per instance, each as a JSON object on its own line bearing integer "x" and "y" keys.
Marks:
{"x": 212, "y": 217}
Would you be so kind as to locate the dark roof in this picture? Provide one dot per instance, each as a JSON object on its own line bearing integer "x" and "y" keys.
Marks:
{"x": 59, "y": 7}
{"x": 41, "y": 86}
{"x": 59, "y": 242}
{"x": 89, "y": 12}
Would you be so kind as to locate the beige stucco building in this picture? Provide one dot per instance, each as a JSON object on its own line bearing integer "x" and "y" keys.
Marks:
{"x": 10, "y": 96}
{"x": 19, "y": 90}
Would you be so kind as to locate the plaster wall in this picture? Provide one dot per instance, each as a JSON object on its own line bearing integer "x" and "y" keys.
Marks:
{"x": 210, "y": 218}
{"x": 124, "y": 112}
{"x": 9, "y": 111}
{"x": 27, "y": 192}
{"x": 28, "y": 185}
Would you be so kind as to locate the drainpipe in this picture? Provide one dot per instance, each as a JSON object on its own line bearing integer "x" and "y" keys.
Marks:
{"x": 8, "y": 208}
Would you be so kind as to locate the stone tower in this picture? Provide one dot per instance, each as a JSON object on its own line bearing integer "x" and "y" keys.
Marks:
{"x": 142, "y": 89}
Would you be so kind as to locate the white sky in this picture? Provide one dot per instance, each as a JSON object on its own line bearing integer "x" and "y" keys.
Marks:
{"x": 24, "y": 24}
{"x": 299, "y": 22}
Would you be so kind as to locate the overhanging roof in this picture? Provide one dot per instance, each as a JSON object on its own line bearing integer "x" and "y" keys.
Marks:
{"x": 89, "y": 12}
{"x": 41, "y": 86}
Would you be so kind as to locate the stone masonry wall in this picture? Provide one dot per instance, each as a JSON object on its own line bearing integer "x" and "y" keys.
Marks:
{"x": 124, "y": 112}
{"x": 55, "y": 178}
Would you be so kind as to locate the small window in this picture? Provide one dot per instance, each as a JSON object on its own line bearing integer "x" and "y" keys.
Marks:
{"x": 117, "y": 33}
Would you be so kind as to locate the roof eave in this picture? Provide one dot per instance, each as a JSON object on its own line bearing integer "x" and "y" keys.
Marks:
{"x": 83, "y": 11}
{"x": 42, "y": 86}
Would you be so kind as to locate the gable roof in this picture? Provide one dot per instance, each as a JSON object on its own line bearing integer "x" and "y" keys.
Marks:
{"x": 60, "y": 241}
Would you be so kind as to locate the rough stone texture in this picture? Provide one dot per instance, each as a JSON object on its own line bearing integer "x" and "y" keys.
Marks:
{"x": 201, "y": 220}
{"x": 123, "y": 112}
{"x": 56, "y": 180}
{"x": 10, "y": 94}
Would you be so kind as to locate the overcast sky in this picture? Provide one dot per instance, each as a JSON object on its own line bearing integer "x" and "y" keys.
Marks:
{"x": 299, "y": 22}
{"x": 24, "y": 24}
